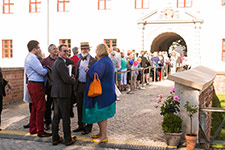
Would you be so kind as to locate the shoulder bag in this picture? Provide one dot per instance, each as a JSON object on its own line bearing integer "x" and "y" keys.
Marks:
{"x": 95, "y": 87}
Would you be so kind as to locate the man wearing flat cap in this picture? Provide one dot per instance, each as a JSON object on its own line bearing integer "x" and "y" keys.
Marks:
{"x": 80, "y": 84}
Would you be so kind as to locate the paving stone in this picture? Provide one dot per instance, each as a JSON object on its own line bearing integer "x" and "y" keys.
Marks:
{"x": 136, "y": 120}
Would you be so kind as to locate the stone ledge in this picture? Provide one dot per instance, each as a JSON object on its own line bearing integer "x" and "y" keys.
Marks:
{"x": 198, "y": 78}
{"x": 12, "y": 69}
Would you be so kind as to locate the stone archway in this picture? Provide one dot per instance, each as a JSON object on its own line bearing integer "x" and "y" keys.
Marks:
{"x": 164, "y": 40}
{"x": 158, "y": 31}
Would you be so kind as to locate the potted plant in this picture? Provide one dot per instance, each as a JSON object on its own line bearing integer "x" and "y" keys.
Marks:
{"x": 190, "y": 138}
{"x": 171, "y": 123}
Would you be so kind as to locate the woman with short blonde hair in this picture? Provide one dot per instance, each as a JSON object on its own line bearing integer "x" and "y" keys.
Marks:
{"x": 102, "y": 107}
{"x": 102, "y": 50}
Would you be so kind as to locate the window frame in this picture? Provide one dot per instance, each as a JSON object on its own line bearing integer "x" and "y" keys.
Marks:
{"x": 223, "y": 49}
{"x": 110, "y": 43}
{"x": 9, "y": 49}
{"x": 34, "y": 3}
{"x": 8, "y": 4}
{"x": 66, "y": 43}
{"x": 64, "y": 5}
{"x": 184, "y": 4}
{"x": 142, "y": 4}
{"x": 105, "y": 8}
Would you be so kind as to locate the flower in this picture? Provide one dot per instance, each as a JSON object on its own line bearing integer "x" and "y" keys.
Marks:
{"x": 159, "y": 99}
{"x": 156, "y": 105}
{"x": 170, "y": 105}
{"x": 160, "y": 95}
{"x": 176, "y": 98}
{"x": 174, "y": 89}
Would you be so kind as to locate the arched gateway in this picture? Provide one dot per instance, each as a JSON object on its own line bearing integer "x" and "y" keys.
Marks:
{"x": 160, "y": 28}
{"x": 164, "y": 41}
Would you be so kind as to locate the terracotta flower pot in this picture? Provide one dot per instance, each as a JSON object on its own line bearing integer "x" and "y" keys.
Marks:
{"x": 190, "y": 141}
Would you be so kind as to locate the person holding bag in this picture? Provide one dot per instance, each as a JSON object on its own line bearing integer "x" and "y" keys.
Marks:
{"x": 102, "y": 107}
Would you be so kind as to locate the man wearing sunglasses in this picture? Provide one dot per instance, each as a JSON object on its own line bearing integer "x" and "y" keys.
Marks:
{"x": 61, "y": 92}
{"x": 79, "y": 87}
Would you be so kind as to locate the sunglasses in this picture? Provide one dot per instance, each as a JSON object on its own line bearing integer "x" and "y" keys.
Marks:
{"x": 84, "y": 48}
{"x": 66, "y": 51}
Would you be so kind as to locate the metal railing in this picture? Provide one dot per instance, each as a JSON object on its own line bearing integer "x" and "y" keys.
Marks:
{"x": 151, "y": 70}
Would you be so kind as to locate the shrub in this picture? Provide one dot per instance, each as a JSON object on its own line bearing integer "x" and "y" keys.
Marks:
{"x": 172, "y": 123}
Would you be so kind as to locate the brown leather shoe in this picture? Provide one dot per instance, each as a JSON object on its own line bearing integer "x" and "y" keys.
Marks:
{"x": 57, "y": 142}
{"x": 72, "y": 141}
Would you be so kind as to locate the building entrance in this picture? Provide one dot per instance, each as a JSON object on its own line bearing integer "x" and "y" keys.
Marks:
{"x": 169, "y": 41}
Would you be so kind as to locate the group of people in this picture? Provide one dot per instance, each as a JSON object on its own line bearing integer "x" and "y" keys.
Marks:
{"x": 66, "y": 81}
{"x": 128, "y": 66}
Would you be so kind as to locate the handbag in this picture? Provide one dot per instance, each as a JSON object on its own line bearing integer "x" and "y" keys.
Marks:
{"x": 117, "y": 91}
{"x": 26, "y": 95}
{"x": 95, "y": 87}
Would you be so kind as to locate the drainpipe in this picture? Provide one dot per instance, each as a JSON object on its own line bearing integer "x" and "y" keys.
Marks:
{"x": 143, "y": 35}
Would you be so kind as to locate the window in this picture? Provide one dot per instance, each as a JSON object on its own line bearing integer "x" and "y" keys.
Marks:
{"x": 104, "y": 4}
{"x": 66, "y": 42}
{"x": 110, "y": 42}
{"x": 62, "y": 5}
{"x": 7, "y": 49}
{"x": 223, "y": 50}
{"x": 184, "y": 3}
{"x": 7, "y": 9}
{"x": 141, "y": 4}
{"x": 223, "y": 2}
{"x": 34, "y": 6}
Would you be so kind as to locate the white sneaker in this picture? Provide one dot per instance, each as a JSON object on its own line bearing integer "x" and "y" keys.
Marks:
{"x": 142, "y": 88}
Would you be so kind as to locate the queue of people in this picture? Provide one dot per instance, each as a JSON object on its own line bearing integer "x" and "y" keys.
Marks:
{"x": 128, "y": 66}
{"x": 65, "y": 86}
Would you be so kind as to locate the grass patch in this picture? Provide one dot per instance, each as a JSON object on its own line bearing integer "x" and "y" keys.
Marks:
{"x": 217, "y": 118}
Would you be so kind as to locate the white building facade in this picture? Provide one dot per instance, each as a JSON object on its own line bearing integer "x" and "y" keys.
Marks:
{"x": 150, "y": 25}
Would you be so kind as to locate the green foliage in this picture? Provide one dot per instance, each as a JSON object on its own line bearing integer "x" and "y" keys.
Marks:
{"x": 191, "y": 109}
{"x": 170, "y": 105}
{"x": 172, "y": 123}
{"x": 217, "y": 118}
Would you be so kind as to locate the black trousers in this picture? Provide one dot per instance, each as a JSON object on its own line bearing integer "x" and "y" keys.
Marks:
{"x": 1, "y": 99}
{"x": 48, "y": 110}
{"x": 80, "y": 101}
{"x": 61, "y": 110}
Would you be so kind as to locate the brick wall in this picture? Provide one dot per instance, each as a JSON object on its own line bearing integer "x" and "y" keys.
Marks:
{"x": 205, "y": 100}
{"x": 219, "y": 83}
{"x": 15, "y": 78}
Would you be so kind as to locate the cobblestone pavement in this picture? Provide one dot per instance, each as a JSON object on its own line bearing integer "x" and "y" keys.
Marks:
{"x": 136, "y": 122}
{"x": 8, "y": 144}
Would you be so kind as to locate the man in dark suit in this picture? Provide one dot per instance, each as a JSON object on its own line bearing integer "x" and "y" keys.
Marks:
{"x": 79, "y": 87}
{"x": 61, "y": 92}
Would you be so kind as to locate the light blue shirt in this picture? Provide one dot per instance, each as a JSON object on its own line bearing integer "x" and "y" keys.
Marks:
{"x": 34, "y": 69}
{"x": 82, "y": 73}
